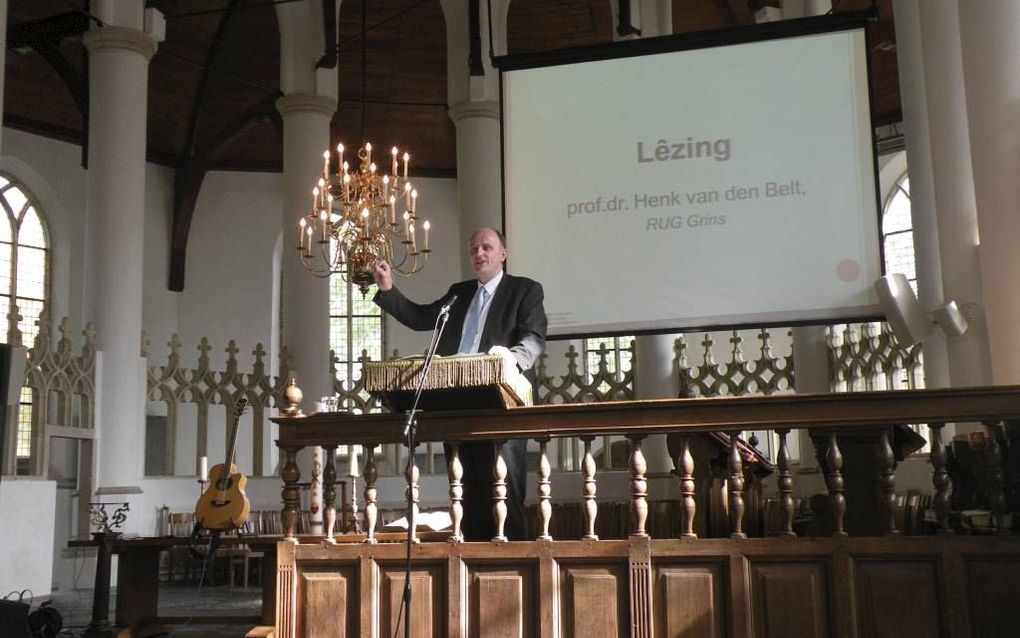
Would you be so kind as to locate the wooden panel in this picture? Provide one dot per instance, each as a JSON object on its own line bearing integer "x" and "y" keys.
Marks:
{"x": 501, "y": 602}
{"x": 595, "y": 601}
{"x": 428, "y": 596}
{"x": 897, "y": 598}
{"x": 324, "y": 603}
{"x": 992, "y": 587}
{"x": 690, "y": 601}
{"x": 790, "y": 599}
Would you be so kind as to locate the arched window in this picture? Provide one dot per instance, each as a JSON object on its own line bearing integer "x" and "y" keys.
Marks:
{"x": 24, "y": 259}
{"x": 897, "y": 232}
{"x": 24, "y": 281}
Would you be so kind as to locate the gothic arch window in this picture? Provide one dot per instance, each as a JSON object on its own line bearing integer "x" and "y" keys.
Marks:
{"x": 897, "y": 232}
{"x": 24, "y": 280}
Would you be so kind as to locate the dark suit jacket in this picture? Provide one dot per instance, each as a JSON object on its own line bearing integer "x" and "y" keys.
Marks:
{"x": 516, "y": 317}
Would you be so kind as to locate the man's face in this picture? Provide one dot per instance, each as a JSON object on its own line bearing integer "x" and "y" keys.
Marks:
{"x": 487, "y": 254}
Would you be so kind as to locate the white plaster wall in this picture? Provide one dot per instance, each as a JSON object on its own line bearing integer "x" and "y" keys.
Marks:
{"x": 26, "y": 527}
{"x": 159, "y": 304}
{"x": 228, "y": 290}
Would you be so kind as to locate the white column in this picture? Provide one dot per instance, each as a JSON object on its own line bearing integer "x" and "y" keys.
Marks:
{"x": 922, "y": 188}
{"x": 990, "y": 44}
{"x": 479, "y": 182}
{"x": 306, "y": 109}
{"x": 474, "y": 109}
{"x": 942, "y": 183}
{"x": 305, "y": 297}
{"x": 115, "y": 205}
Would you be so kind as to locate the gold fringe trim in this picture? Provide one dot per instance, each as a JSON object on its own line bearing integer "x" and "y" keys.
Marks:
{"x": 446, "y": 373}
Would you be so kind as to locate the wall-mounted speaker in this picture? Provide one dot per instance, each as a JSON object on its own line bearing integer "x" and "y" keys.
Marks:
{"x": 910, "y": 323}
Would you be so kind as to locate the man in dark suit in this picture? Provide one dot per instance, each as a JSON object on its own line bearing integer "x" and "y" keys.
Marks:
{"x": 496, "y": 313}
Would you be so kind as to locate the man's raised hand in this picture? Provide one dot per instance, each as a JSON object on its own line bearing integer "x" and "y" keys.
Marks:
{"x": 382, "y": 274}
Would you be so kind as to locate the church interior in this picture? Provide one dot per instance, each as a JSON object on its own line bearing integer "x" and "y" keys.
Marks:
{"x": 165, "y": 317}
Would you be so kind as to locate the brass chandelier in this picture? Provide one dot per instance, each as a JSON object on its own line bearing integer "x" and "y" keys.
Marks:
{"x": 360, "y": 215}
{"x": 354, "y": 220}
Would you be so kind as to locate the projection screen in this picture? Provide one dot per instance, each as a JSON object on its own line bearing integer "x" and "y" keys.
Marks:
{"x": 713, "y": 187}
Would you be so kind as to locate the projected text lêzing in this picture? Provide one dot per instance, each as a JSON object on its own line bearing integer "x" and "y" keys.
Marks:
{"x": 665, "y": 150}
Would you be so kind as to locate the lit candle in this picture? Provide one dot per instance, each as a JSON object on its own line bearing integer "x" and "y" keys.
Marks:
{"x": 385, "y": 187}
{"x": 203, "y": 469}
{"x": 407, "y": 194}
{"x": 329, "y": 204}
{"x": 346, "y": 167}
{"x": 325, "y": 164}
{"x": 393, "y": 152}
{"x": 414, "y": 200}
{"x": 368, "y": 152}
{"x": 353, "y": 461}
{"x": 315, "y": 198}
{"x": 347, "y": 185}
{"x": 301, "y": 233}
{"x": 393, "y": 210}
{"x": 426, "y": 226}
{"x": 323, "y": 216}
{"x": 340, "y": 152}
{"x": 406, "y": 158}
{"x": 364, "y": 221}
{"x": 410, "y": 231}
{"x": 371, "y": 168}
{"x": 308, "y": 248}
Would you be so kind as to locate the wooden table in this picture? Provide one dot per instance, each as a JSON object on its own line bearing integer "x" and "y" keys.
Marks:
{"x": 138, "y": 581}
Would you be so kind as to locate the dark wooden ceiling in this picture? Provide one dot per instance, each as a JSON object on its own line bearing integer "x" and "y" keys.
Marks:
{"x": 211, "y": 71}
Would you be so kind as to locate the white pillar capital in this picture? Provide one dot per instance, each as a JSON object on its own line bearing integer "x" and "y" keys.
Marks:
{"x": 306, "y": 103}
{"x": 120, "y": 38}
{"x": 484, "y": 108}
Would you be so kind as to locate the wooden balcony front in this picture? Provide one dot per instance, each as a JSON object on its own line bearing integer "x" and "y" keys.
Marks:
{"x": 943, "y": 584}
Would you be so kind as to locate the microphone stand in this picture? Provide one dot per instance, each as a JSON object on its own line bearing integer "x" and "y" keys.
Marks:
{"x": 410, "y": 428}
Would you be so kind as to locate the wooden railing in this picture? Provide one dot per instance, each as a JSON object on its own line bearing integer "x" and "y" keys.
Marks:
{"x": 854, "y": 581}
{"x": 830, "y": 418}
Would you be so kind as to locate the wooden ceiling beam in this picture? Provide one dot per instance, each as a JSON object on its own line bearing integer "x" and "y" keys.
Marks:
{"x": 190, "y": 174}
{"x": 54, "y": 29}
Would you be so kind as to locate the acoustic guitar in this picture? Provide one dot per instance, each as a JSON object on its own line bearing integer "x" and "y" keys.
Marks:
{"x": 224, "y": 505}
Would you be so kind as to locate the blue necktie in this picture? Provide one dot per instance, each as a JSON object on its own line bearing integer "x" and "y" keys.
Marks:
{"x": 471, "y": 326}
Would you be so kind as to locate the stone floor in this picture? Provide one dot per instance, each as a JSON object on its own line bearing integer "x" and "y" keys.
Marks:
{"x": 176, "y": 599}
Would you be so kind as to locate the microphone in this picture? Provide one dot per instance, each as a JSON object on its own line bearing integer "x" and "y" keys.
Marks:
{"x": 446, "y": 307}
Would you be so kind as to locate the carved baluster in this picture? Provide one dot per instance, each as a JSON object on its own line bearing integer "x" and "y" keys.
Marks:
{"x": 688, "y": 507}
{"x": 736, "y": 490}
{"x": 785, "y": 484}
{"x": 455, "y": 471}
{"x": 290, "y": 474}
{"x": 499, "y": 492}
{"x": 638, "y": 486}
{"x": 371, "y": 494}
{"x": 412, "y": 496}
{"x": 940, "y": 478}
{"x": 834, "y": 483}
{"x": 329, "y": 493}
{"x": 544, "y": 490}
{"x": 887, "y": 485}
{"x": 996, "y": 478}
{"x": 591, "y": 508}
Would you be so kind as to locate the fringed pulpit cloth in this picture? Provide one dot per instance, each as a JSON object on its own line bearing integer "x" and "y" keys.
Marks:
{"x": 453, "y": 383}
